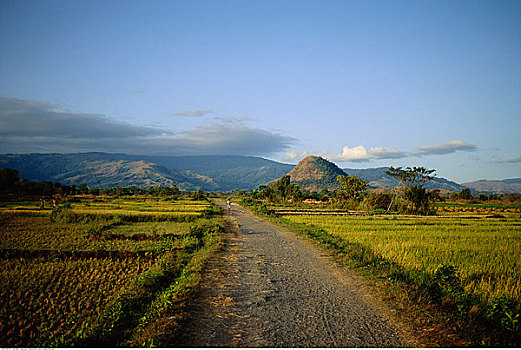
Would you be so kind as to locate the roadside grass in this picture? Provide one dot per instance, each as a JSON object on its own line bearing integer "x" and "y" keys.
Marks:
{"x": 466, "y": 271}
{"x": 100, "y": 273}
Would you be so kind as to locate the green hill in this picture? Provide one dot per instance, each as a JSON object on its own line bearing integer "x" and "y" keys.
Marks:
{"x": 315, "y": 173}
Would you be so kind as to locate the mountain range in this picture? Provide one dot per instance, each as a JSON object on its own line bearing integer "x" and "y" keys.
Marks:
{"x": 188, "y": 173}
{"x": 495, "y": 186}
{"x": 208, "y": 173}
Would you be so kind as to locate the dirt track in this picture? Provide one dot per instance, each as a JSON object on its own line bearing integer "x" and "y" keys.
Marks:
{"x": 272, "y": 289}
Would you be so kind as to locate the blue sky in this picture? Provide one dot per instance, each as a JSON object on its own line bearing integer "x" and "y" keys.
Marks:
{"x": 362, "y": 83}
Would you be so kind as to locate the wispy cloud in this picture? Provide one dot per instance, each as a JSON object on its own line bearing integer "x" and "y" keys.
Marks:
{"x": 194, "y": 113}
{"x": 444, "y": 148}
{"x": 509, "y": 161}
{"x": 233, "y": 120}
{"x": 28, "y": 126}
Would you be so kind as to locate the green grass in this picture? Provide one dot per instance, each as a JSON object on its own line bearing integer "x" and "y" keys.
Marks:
{"x": 485, "y": 252}
{"x": 468, "y": 267}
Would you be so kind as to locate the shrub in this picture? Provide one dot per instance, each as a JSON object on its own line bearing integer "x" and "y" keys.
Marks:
{"x": 375, "y": 201}
{"x": 64, "y": 213}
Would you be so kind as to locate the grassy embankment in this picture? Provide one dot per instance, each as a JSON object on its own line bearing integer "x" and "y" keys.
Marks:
{"x": 101, "y": 272}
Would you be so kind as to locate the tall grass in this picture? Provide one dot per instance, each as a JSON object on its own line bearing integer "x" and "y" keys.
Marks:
{"x": 486, "y": 252}
{"x": 469, "y": 267}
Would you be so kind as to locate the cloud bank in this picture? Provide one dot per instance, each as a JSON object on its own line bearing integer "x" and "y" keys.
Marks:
{"x": 29, "y": 126}
{"x": 362, "y": 154}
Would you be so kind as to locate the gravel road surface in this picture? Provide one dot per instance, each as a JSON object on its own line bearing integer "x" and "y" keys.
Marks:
{"x": 269, "y": 288}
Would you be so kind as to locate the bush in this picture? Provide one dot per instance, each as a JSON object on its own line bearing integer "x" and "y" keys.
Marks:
{"x": 199, "y": 230}
{"x": 345, "y": 203}
{"x": 212, "y": 211}
{"x": 198, "y": 196}
{"x": 376, "y": 201}
{"x": 420, "y": 198}
{"x": 64, "y": 213}
{"x": 263, "y": 209}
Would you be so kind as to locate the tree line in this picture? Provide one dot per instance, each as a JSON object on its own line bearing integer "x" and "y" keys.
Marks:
{"x": 353, "y": 193}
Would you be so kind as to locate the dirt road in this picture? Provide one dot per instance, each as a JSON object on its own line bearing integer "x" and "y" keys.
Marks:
{"x": 272, "y": 289}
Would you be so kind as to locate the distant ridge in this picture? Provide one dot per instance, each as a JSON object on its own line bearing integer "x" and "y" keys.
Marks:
{"x": 97, "y": 169}
{"x": 315, "y": 173}
{"x": 208, "y": 173}
{"x": 496, "y": 186}
{"x": 376, "y": 177}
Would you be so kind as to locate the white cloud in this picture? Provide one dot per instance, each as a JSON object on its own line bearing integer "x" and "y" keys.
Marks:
{"x": 293, "y": 155}
{"x": 362, "y": 154}
{"x": 354, "y": 154}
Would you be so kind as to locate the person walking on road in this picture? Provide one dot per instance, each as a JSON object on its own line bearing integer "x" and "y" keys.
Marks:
{"x": 229, "y": 204}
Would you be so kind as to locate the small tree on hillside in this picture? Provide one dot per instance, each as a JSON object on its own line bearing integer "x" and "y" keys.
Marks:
{"x": 413, "y": 179}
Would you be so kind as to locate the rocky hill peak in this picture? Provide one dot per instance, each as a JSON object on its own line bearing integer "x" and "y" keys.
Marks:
{"x": 316, "y": 173}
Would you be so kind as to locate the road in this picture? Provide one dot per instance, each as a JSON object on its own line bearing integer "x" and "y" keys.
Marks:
{"x": 269, "y": 288}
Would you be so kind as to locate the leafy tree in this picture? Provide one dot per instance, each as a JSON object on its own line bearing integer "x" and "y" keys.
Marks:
{"x": 436, "y": 195}
{"x": 265, "y": 192}
{"x": 46, "y": 188}
{"x": 376, "y": 200}
{"x": 408, "y": 177}
{"x": 199, "y": 196}
{"x": 8, "y": 180}
{"x": 83, "y": 188}
{"x": 512, "y": 197}
{"x": 413, "y": 179}
{"x": 351, "y": 186}
{"x": 419, "y": 197}
{"x": 282, "y": 187}
{"x": 465, "y": 194}
{"x": 284, "y": 190}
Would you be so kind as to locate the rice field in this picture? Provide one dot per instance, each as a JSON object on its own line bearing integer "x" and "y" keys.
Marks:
{"x": 476, "y": 209}
{"x": 64, "y": 280}
{"x": 127, "y": 209}
{"x": 486, "y": 251}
